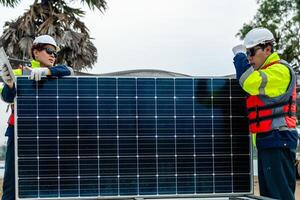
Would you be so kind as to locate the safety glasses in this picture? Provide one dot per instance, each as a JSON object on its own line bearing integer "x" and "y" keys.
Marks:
{"x": 252, "y": 51}
{"x": 51, "y": 52}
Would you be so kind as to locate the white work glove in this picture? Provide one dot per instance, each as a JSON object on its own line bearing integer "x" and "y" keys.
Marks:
{"x": 6, "y": 77}
{"x": 38, "y": 73}
{"x": 239, "y": 49}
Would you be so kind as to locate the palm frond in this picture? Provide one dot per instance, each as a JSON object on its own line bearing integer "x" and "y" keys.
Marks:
{"x": 25, "y": 43}
{"x": 61, "y": 22}
{"x": 92, "y": 4}
{"x": 10, "y": 3}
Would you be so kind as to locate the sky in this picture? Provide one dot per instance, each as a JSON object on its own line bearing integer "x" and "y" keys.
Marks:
{"x": 193, "y": 37}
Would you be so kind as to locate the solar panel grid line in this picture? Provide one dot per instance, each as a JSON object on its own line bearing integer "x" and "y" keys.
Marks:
{"x": 118, "y": 145}
{"x": 156, "y": 136}
{"x": 66, "y": 109}
{"x": 212, "y": 141}
{"x": 78, "y": 155}
{"x": 137, "y": 140}
{"x": 184, "y": 139}
{"x": 194, "y": 142}
{"x": 58, "y": 149}
{"x": 143, "y": 162}
{"x": 98, "y": 143}
{"x": 230, "y": 110}
{"x": 16, "y": 156}
{"x": 37, "y": 149}
{"x": 175, "y": 132}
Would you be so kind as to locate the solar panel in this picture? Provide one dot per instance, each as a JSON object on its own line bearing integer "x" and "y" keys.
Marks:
{"x": 131, "y": 137}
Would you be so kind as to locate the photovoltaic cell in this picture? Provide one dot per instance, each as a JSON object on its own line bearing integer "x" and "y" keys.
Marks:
{"x": 131, "y": 137}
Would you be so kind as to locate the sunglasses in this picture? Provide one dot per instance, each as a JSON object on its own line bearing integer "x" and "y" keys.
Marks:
{"x": 51, "y": 52}
{"x": 252, "y": 51}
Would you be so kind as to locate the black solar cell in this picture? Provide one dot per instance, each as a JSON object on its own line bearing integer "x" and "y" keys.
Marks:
{"x": 99, "y": 137}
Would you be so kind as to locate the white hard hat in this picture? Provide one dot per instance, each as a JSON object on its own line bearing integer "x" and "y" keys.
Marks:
{"x": 45, "y": 39}
{"x": 258, "y": 36}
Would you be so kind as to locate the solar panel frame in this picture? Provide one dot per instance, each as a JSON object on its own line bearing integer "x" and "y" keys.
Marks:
{"x": 163, "y": 93}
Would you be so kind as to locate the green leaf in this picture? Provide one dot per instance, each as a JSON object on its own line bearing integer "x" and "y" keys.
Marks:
{"x": 282, "y": 18}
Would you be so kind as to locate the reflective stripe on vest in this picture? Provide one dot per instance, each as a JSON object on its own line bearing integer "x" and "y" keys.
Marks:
{"x": 266, "y": 113}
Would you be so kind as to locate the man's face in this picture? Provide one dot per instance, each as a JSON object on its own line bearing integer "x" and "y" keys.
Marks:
{"x": 257, "y": 55}
{"x": 46, "y": 56}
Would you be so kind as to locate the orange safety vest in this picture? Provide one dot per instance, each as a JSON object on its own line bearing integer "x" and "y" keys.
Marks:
{"x": 271, "y": 113}
{"x": 11, "y": 119}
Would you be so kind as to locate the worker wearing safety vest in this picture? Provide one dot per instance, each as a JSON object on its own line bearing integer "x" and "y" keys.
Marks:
{"x": 44, "y": 52}
{"x": 271, "y": 85}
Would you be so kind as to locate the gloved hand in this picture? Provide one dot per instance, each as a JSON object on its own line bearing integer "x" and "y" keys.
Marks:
{"x": 38, "y": 73}
{"x": 6, "y": 77}
{"x": 239, "y": 49}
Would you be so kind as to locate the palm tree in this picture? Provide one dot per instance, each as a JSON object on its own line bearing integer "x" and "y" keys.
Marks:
{"x": 55, "y": 18}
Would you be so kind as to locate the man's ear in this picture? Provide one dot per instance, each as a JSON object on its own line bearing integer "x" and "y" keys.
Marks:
{"x": 35, "y": 52}
{"x": 268, "y": 49}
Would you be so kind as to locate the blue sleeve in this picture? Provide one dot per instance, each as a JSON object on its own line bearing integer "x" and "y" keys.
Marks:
{"x": 241, "y": 64}
{"x": 8, "y": 95}
{"x": 60, "y": 70}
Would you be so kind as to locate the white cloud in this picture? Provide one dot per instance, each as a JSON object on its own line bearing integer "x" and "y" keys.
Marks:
{"x": 193, "y": 37}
